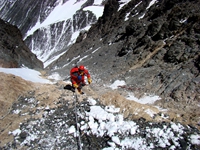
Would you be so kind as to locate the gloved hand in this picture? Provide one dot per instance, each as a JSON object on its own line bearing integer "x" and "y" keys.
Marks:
{"x": 79, "y": 77}
{"x": 75, "y": 85}
{"x": 89, "y": 80}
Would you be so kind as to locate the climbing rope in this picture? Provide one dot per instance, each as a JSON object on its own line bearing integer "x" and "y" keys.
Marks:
{"x": 91, "y": 139}
{"x": 10, "y": 109}
{"x": 83, "y": 110}
{"x": 77, "y": 126}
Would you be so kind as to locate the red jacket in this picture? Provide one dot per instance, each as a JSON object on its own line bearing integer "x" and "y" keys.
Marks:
{"x": 74, "y": 73}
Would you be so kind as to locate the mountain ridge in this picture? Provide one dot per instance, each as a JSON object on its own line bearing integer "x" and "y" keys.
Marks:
{"x": 121, "y": 48}
{"x": 154, "y": 49}
{"x": 57, "y": 36}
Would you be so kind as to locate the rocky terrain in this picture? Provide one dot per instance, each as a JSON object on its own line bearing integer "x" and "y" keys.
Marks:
{"x": 52, "y": 38}
{"x": 10, "y": 11}
{"x": 153, "y": 47}
{"x": 13, "y": 51}
{"x": 43, "y": 116}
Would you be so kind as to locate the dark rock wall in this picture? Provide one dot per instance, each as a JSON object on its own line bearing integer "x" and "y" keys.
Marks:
{"x": 13, "y": 51}
{"x": 157, "y": 53}
{"x": 24, "y": 14}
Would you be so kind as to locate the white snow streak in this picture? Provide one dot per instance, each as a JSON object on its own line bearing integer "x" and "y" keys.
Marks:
{"x": 122, "y": 3}
{"x": 151, "y": 3}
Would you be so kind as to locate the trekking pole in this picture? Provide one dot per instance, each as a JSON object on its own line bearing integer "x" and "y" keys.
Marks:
{"x": 78, "y": 130}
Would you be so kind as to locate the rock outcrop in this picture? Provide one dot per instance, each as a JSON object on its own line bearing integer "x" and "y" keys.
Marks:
{"x": 13, "y": 51}
{"x": 154, "y": 48}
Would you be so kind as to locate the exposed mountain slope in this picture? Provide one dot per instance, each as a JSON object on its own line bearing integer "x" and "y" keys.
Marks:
{"x": 43, "y": 116}
{"x": 49, "y": 26}
{"x": 25, "y": 14}
{"x": 13, "y": 51}
{"x": 154, "y": 48}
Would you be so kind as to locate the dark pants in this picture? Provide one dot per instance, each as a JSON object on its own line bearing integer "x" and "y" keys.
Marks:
{"x": 80, "y": 85}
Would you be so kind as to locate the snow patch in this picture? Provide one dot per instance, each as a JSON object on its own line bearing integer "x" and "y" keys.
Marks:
{"x": 55, "y": 76}
{"x": 15, "y": 132}
{"x": 97, "y": 10}
{"x": 151, "y": 3}
{"x": 146, "y": 99}
{"x": 112, "y": 109}
{"x": 150, "y": 112}
{"x": 122, "y": 3}
{"x": 195, "y": 139}
{"x": 26, "y": 74}
{"x": 117, "y": 83}
{"x": 91, "y": 101}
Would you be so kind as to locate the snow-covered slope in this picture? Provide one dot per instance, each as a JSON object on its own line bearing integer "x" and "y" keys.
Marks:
{"x": 26, "y": 74}
{"x": 63, "y": 26}
{"x": 54, "y": 25}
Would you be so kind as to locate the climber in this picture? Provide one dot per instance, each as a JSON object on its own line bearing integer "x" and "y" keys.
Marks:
{"x": 77, "y": 78}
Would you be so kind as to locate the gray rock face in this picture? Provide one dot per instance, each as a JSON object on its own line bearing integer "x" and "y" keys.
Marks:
{"x": 51, "y": 40}
{"x": 55, "y": 39}
{"x": 155, "y": 49}
{"x": 36, "y": 10}
{"x": 13, "y": 51}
